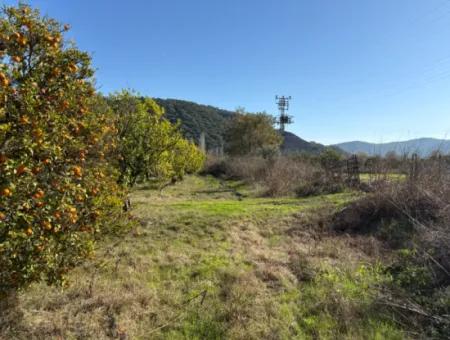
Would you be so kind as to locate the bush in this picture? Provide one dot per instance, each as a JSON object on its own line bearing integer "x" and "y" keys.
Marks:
{"x": 413, "y": 218}
{"x": 279, "y": 175}
{"x": 54, "y": 150}
{"x": 285, "y": 175}
{"x": 250, "y": 168}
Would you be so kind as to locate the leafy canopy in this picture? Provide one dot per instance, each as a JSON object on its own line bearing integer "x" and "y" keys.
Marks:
{"x": 56, "y": 183}
{"x": 149, "y": 146}
{"x": 249, "y": 133}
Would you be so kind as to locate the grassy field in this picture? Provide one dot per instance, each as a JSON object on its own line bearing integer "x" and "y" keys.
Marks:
{"x": 391, "y": 177}
{"x": 210, "y": 260}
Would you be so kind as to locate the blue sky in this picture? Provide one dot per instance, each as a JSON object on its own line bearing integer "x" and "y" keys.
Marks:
{"x": 373, "y": 70}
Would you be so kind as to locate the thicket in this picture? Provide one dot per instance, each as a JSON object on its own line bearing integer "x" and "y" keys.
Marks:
{"x": 412, "y": 217}
{"x": 281, "y": 175}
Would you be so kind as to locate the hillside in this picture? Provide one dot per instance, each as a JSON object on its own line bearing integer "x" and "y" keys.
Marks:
{"x": 422, "y": 146}
{"x": 196, "y": 118}
{"x": 293, "y": 143}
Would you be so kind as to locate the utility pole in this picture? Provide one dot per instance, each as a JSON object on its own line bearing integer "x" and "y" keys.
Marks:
{"x": 283, "y": 107}
{"x": 202, "y": 141}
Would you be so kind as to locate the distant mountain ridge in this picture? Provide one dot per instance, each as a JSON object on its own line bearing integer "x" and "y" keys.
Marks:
{"x": 424, "y": 147}
{"x": 195, "y": 118}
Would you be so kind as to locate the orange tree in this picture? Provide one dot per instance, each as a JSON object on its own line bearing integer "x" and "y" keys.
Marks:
{"x": 54, "y": 150}
{"x": 149, "y": 145}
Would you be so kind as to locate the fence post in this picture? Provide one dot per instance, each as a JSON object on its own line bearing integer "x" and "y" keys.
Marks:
{"x": 414, "y": 169}
{"x": 353, "y": 177}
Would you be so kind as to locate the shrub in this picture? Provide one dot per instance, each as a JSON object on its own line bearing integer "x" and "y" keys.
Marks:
{"x": 413, "y": 218}
{"x": 280, "y": 175}
{"x": 54, "y": 173}
{"x": 285, "y": 175}
{"x": 248, "y": 168}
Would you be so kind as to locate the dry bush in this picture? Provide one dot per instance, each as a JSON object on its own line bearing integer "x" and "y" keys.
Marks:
{"x": 280, "y": 176}
{"x": 413, "y": 218}
{"x": 285, "y": 175}
{"x": 248, "y": 168}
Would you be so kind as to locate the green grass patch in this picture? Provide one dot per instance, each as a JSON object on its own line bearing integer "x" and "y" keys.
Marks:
{"x": 209, "y": 263}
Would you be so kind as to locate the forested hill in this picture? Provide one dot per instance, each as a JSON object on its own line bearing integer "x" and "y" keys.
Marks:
{"x": 292, "y": 144}
{"x": 196, "y": 118}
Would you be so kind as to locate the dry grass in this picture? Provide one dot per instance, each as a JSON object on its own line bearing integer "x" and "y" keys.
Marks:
{"x": 412, "y": 217}
{"x": 251, "y": 268}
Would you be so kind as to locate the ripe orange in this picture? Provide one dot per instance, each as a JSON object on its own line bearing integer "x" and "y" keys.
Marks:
{"x": 16, "y": 59}
{"x": 4, "y": 80}
{"x": 46, "y": 225}
{"x": 76, "y": 170}
{"x": 21, "y": 169}
{"x": 29, "y": 231}
{"x": 57, "y": 215}
{"x": 39, "y": 194}
{"x": 46, "y": 161}
{"x": 22, "y": 41}
{"x": 6, "y": 192}
{"x": 2, "y": 216}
